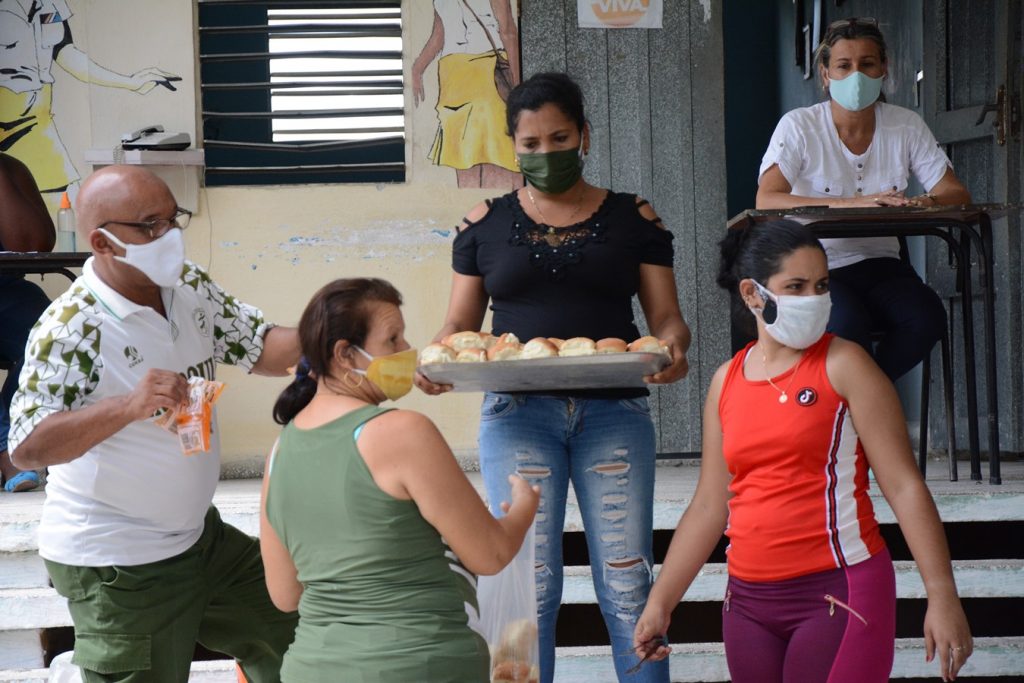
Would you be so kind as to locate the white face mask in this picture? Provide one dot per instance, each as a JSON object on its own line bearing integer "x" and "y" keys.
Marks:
{"x": 795, "y": 321}
{"x": 161, "y": 260}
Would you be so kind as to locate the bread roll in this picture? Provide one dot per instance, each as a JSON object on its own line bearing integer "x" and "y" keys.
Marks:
{"x": 647, "y": 345}
{"x": 518, "y": 641}
{"x": 471, "y": 356}
{"x": 578, "y": 346}
{"x": 507, "y": 347}
{"x": 489, "y": 340}
{"x": 556, "y": 341}
{"x": 511, "y": 672}
{"x": 459, "y": 341}
{"x": 436, "y": 353}
{"x": 538, "y": 347}
{"x": 611, "y": 345}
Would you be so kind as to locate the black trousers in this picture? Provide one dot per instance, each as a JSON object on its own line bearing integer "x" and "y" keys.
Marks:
{"x": 885, "y": 295}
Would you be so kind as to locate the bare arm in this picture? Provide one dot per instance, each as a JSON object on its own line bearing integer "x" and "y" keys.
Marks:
{"x": 278, "y": 568}
{"x": 428, "y": 54}
{"x": 409, "y": 458}
{"x": 78, "y": 64}
{"x": 466, "y": 308}
{"x": 281, "y": 350}
{"x": 467, "y": 304}
{"x": 698, "y": 532}
{"x": 64, "y": 436}
{"x": 660, "y": 302}
{"x": 25, "y": 223}
{"x": 509, "y": 34}
{"x": 876, "y": 411}
{"x": 775, "y": 192}
{"x": 949, "y": 191}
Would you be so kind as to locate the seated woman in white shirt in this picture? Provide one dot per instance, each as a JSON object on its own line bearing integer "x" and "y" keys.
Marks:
{"x": 854, "y": 150}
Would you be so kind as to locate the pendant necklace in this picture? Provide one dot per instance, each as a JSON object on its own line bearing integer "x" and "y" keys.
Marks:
{"x": 551, "y": 236}
{"x": 783, "y": 393}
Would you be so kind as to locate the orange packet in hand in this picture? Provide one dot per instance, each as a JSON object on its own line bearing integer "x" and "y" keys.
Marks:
{"x": 194, "y": 417}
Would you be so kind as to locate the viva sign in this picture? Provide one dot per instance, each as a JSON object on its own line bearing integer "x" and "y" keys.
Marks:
{"x": 619, "y": 13}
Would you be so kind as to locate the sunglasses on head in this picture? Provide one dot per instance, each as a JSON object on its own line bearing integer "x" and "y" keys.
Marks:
{"x": 852, "y": 21}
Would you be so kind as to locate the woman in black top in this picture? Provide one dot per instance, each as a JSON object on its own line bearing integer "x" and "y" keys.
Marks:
{"x": 562, "y": 258}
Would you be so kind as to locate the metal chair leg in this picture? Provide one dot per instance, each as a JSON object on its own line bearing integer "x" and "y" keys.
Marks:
{"x": 947, "y": 382}
{"x": 926, "y": 379}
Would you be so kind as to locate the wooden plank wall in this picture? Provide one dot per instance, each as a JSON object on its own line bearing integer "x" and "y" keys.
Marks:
{"x": 655, "y": 102}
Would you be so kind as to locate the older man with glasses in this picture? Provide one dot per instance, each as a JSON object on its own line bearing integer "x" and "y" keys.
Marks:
{"x": 128, "y": 531}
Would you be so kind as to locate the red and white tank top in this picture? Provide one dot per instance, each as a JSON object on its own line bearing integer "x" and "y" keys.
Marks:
{"x": 799, "y": 474}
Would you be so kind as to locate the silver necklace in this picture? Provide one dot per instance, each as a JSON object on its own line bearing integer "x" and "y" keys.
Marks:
{"x": 783, "y": 393}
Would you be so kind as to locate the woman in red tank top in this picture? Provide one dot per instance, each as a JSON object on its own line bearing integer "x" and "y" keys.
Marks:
{"x": 791, "y": 425}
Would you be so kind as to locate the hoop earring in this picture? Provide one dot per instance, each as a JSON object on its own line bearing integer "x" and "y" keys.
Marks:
{"x": 349, "y": 383}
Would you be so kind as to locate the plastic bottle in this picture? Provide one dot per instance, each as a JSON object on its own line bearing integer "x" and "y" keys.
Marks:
{"x": 65, "y": 226}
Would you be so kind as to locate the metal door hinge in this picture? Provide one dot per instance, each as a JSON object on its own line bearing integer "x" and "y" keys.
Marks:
{"x": 1007, "y": 115}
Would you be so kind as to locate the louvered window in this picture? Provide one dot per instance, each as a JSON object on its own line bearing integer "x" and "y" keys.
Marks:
{"x": 302, "y": 91}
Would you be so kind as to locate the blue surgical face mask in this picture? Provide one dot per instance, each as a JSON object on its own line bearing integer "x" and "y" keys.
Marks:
{"x": 856, "y": 91}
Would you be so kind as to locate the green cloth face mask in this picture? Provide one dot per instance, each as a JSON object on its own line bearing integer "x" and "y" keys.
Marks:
{"x": 552, "y": 172}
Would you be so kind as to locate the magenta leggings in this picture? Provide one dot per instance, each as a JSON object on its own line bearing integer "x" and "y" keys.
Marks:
{"x": 837, "y": 626}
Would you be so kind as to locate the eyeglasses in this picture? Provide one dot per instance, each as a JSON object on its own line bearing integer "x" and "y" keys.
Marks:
{"x": 852, "y": 21}
{"x": 158, "y": 227}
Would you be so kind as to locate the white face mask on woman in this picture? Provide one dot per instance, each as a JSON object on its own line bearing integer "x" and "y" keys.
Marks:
{"x": 161, "y": 260}
{"x": 795, "y": 321}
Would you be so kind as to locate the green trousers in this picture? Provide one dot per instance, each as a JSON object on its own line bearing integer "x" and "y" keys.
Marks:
{"x": 141, "y": 623}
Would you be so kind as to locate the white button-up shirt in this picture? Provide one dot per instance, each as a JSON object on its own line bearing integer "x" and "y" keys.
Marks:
{"x": 816, "y": 163}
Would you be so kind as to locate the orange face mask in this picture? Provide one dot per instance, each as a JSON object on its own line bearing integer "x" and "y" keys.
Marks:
{"x": 392, "y": 373}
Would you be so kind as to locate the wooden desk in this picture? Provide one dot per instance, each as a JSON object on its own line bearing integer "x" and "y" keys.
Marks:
{"x": 961, "y": 227}
{"x": 41, "y": 263}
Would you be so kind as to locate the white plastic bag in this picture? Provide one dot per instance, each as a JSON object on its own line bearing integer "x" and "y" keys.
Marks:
{"x": 508, "y": 617}
{"x": 63, "y": 671}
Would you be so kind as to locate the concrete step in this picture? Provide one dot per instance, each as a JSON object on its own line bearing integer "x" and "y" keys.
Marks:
{"x": 22, "y": 570}
{"x": 974, "y": 579}
{"x": 692, "y": 662}
{"x": 706, "y": 661}
{"x": 217, "y": 671}
{"x": 27, "y": 604}
{"x": 238, "y": 501}
{"x": 41, "y": 607}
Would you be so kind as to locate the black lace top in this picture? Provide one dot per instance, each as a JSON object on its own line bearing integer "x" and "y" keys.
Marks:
{"x": 577, "y": 281}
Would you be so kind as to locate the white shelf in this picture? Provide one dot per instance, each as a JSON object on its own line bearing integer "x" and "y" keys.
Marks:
{"x": 145, "y": 157}
{"x": 182, "y": 170}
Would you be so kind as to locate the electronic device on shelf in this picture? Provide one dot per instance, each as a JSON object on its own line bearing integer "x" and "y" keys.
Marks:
{"x": 154, "y": 137}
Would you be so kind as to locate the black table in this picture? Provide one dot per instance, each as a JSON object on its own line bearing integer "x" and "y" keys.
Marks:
{"x": 41, "y": 263}
{"x": 961, "y": 227}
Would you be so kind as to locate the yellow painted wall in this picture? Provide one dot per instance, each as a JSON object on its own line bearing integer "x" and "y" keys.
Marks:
{"x": 274, "y": 246}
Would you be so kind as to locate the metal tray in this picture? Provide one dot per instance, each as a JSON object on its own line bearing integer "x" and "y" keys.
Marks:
{"x": 604, "y": 371}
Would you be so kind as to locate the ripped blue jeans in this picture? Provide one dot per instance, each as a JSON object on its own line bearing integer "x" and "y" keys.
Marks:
{"x": 606, "y": 448}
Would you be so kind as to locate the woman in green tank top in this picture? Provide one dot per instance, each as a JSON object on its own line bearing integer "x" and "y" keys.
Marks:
{"x": 369, "y": 528}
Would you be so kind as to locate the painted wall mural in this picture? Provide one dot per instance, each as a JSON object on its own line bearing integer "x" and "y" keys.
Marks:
{"x": 35, "y": 35}
{"x": 477, "y": 44}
